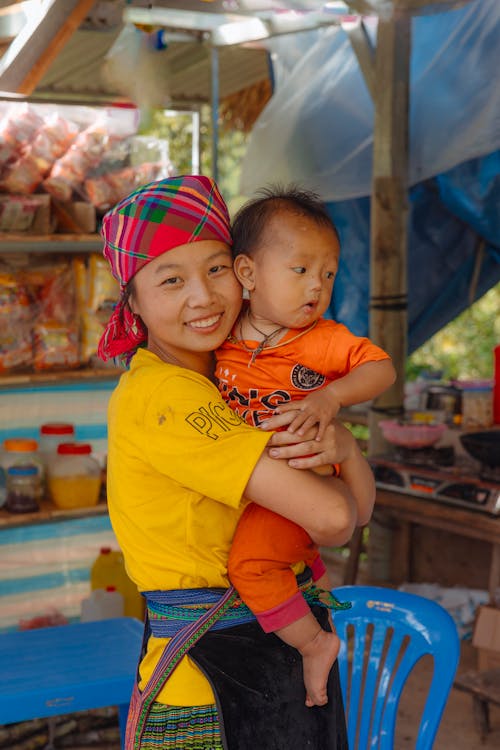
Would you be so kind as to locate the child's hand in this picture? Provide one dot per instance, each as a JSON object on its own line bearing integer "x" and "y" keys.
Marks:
{"x": 319, "y": 408}
{"x": 305, "y": 452}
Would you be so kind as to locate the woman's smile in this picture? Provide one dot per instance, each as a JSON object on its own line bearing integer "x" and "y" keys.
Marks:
{"x": 205, "y": 323}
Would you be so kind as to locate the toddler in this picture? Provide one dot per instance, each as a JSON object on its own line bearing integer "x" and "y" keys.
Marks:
{"x": 281, "y": 356}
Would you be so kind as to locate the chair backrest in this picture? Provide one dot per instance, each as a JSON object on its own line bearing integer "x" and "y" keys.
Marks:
{"x": 383, "y": 635}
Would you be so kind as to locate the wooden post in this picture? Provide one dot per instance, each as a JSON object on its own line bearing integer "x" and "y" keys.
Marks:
{"x": 389, "y": 210}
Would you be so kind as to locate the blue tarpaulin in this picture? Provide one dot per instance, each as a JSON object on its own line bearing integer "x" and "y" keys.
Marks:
{"x": 317, "y": 131}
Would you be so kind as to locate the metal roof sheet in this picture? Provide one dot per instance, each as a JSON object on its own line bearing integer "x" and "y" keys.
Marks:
{"x": 183, "y": 70}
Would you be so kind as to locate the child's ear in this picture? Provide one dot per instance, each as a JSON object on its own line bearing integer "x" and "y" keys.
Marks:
{"x": 244, "y": 269}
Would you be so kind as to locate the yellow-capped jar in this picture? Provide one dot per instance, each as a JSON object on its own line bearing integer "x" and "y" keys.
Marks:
{"x": 74, "y": 476}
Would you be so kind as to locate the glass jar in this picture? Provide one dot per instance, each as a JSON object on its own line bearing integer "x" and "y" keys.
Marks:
{"x": 74, "y": 476}
{"x": 23, "y": 452}
{"x": 23, "y": 489}
{"x": 477, "y": 406}
{"x": 3, "y": 486}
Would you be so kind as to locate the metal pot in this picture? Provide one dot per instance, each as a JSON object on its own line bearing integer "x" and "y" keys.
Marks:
{"x": 483, "y": 446}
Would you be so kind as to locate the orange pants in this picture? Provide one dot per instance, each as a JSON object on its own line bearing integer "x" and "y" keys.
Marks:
{"x": 264, "y": 547}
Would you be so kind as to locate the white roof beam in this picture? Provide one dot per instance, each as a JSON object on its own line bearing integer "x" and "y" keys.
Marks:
{"x": 33, "y": 50}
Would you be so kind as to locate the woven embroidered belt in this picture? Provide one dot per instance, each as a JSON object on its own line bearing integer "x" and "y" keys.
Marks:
{"x": 170, "y": 611}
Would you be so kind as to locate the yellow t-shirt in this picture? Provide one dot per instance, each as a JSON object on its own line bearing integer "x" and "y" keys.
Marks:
{"x": 178, "y": 461}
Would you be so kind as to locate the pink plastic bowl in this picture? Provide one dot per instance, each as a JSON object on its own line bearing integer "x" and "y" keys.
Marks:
{"x": 411, "y": 435}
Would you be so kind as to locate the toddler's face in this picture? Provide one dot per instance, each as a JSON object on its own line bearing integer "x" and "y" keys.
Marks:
{"x": 293, "y": 271}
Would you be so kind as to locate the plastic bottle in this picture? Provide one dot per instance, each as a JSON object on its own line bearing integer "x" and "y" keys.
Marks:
{"x": 74, "y": 476}
{"x": 109, "y": 570}
{"x": 102, "y": 604}
{"x": 53, "y": 433}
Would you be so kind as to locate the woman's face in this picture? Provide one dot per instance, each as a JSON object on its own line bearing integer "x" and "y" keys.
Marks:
{"x": 188, "y": 299}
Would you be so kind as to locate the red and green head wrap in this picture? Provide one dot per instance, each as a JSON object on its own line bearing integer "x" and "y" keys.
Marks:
{"x": 151, "y": 221}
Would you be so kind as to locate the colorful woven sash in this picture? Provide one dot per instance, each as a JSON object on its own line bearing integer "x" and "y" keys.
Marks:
{"x": 171, "y": 611}
{"x": 176, "y": 648}
{"x": 184, "y": 616}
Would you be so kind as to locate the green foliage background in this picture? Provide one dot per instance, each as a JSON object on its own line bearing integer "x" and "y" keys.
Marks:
{"x": 461, "y": 350}
{"x": 464, "y": 348}
{"x": 177, "y": 130}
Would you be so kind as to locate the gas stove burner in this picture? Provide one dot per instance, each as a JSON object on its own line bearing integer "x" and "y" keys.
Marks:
{"x": 453, "y": 485}
{"x": 490, "y": 473}
{"x": 429, "y": 456}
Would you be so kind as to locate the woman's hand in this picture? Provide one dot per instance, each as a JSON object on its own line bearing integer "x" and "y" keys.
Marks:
{"x": 305, "y": 451}
{"x": 338, "y": 446}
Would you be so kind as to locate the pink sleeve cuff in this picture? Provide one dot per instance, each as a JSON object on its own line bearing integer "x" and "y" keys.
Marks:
{"x": 318, "y": 568}
{"x": 283, "y": 614}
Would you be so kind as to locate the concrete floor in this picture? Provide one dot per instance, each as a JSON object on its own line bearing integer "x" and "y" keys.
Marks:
{"x": 457, "y": 730}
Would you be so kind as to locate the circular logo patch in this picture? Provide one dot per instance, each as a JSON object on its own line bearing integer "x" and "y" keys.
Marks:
{"x": 306, "y": 379}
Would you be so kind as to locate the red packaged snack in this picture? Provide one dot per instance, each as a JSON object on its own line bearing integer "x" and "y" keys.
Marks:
{"x": 23, "y": 176}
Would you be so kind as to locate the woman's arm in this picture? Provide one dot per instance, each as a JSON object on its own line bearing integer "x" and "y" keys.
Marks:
{"x": 337, "y": 446}
{"x": 324, "y": 507}
{"x": 356, "y": 472}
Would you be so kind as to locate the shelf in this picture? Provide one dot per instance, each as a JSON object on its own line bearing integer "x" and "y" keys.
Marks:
{"x": 50, "y": 243}
{"x": 49, "y": 512}
{"x": 54, "y": 377}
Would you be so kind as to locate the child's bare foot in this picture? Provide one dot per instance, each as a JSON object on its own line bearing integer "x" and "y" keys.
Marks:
{"x": 318, "y": 649}
{"x": 318, "y": 656}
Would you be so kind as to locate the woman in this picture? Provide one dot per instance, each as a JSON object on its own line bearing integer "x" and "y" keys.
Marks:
{"x": 181, "y": 467}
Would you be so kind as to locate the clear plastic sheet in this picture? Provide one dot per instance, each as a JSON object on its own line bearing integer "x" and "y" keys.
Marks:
{"x": 317, "y": 130}
{"x": 318, "y": 127}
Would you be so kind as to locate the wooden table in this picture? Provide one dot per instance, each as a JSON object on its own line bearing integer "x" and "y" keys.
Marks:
{"x": 409, "y": 511}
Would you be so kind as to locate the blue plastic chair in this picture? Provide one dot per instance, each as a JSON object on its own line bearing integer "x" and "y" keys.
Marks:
{"x": 383, "y": 636}
{"x": 69, "y": 668}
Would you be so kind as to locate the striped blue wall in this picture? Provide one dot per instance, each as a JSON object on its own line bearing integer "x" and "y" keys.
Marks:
{"x": 24, "y": 409}
{"x": 45, "y": 567}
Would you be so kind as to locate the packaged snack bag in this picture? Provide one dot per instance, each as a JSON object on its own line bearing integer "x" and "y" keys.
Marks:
{"x": 15, "y": 339}
{"x": 55, "y": 346}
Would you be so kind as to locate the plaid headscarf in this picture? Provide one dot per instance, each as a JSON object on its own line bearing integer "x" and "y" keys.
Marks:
{"x": 150, "y": 221}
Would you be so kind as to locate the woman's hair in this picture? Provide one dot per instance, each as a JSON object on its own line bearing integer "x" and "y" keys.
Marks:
{"x": 127, "y": 292}
{"x": 252, "y": 218}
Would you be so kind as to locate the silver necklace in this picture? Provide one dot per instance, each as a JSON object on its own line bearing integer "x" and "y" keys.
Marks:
{"x": 262, "y": 344}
